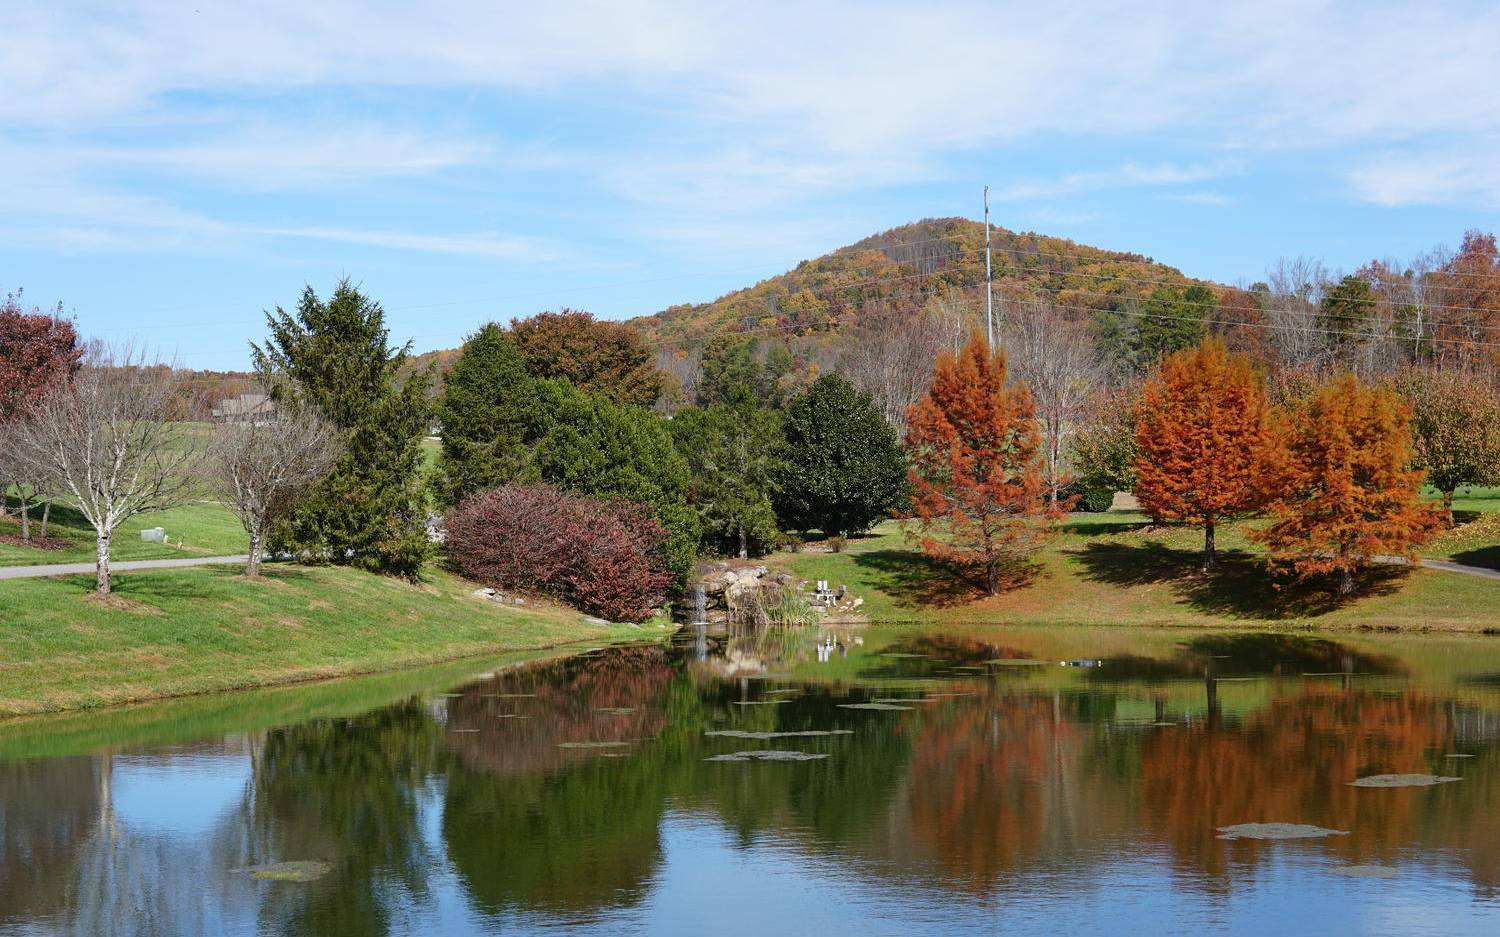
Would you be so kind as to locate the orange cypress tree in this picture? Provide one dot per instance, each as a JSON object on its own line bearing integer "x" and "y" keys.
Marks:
{"x": 975, "y": 450}
{"x": 1203, "y": 439}
{"x": 1349, "y": 495}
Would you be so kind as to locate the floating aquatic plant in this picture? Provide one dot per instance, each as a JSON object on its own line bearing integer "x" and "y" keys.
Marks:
{"x": 805, "y": 733}
{"x": 777, "y": 755}
{"x": 1277, "y": 831}
{"x": 1402, "y": 780}
{"x": 301, "y": 870}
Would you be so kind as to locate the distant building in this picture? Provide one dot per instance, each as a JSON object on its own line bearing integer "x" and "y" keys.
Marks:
{"x": 246, "y": 408}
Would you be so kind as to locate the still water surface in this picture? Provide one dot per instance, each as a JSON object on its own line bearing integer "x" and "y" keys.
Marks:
{"x": 923, "y": 782}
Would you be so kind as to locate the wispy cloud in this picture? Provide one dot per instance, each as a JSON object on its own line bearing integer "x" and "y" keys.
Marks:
{"x": 268, "y": 155}
{"x": 1433, "y": 177}
{"x": 1198, "y": 198}
{"x": 1128, "y": 176}
{"x": 496, "y": 246}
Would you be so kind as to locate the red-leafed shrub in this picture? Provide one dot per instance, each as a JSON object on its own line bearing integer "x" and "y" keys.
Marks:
{"x": 606, "y": 557}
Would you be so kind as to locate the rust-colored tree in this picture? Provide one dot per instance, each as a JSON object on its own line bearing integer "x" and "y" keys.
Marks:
{"x": 978, "y": 500}
{"x": 1349, "y": 494}
{"x": 1203, "y": 439}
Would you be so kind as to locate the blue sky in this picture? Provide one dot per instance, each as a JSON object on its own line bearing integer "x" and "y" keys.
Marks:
{"x": 173, "y": 168}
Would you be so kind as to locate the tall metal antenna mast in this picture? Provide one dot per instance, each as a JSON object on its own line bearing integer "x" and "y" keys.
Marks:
{"x": 989, "y": 286}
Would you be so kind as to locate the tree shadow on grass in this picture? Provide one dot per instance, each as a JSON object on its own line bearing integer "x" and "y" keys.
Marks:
{"x": 1102, "y": 527}
{"x": 153, "y": 586}
{"x": 1486, "y": 557}
{"x": 917, "y": 580}
{"x": 1238, "y": 587}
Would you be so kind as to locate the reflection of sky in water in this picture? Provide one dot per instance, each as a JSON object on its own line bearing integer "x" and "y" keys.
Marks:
{"x": 185, "y": 795}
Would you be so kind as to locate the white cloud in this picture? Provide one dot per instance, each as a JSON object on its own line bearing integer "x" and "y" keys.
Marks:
{"x": 1439, "y": 176}
{"x": 820, "y": 99}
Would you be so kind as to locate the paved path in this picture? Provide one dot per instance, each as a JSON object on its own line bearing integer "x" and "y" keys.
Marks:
{"x": 127, "y": 566}
{"x": 1445, "y": 565}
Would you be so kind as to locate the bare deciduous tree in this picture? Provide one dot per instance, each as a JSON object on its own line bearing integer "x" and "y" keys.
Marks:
{"x": 891, "y": 353}
{"x": 1054, "y": 356}
{"x": 104, "y": 439}
{"x": 1291, "y": 312}
{"x": 262, "y": 467}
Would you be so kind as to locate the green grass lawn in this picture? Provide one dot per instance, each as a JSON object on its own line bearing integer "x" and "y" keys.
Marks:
{"x": 175, "y": 632}
{"x": 1116, "y": 569}
{"x": 203, "y": 528}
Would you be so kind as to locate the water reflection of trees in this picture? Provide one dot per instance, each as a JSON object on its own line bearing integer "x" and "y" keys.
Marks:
{"x": 347, "y": 792}
{"x": 530, "y": 825}
{"x": 48, "y": 811}
{"x": 970, "y": 793}
{"x": 1256, "y": 654}
{"x": 1292, "y": 762}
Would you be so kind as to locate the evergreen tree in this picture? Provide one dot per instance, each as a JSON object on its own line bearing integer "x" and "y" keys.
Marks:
{"x": 844, "y": 468}
{"x": 731, "y": 373}
{"x": 733, "y": 455}
{"x": 369, "y": 510}
{"x": 1172, "y": 319}
{"x": 593, "y": 446}
{"x": 487, "y": 415}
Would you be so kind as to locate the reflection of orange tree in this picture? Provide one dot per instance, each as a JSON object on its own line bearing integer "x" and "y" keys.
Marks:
{"x": 988, "y": 775}
{"x": 1292, "y": 763}
{"x": 524, "y": 715}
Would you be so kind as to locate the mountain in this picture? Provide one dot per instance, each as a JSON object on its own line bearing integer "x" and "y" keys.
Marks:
{"x": 906, "y": 267}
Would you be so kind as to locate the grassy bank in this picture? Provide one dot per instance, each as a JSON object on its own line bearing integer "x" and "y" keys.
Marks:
{"x": 1116, "y": 569}
{"x": 197, "y": 529}
{"x": 177, "y": 632}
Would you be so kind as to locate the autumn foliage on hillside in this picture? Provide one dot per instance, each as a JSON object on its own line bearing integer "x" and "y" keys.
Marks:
{"x": 1348, "y": 493}
{"x": 1203, "y": 439}
{"x": 605, "y": 556}
{"x": 974, "y": 444}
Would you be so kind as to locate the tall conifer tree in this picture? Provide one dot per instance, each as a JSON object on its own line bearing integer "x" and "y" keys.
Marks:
{"x": 1203, "y": 440}
{"x": 1349, "y": 494}
{"x": 487, "y": 411}
{"x": 369, "y": 511}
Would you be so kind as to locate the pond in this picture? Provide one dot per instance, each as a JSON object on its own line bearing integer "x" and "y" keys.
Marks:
{"x": 870, "y": 781}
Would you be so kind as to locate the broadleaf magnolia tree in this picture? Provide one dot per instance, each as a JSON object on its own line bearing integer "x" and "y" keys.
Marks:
{"x": 1348, "y": 493}
{"x": 978, "y": 492}
{"x": 106, "y": 438}
{"x": 843, "y": 467}
{"x": 1203, "y": 438}
{"x": 262, "y": 467}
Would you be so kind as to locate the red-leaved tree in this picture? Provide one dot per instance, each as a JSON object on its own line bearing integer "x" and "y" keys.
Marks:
{"x": 605, "y": 556}
{"x": 978, "y": 492}
{"x": 37, "y": 350}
